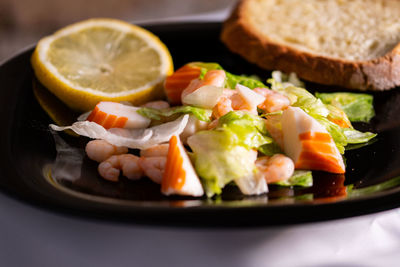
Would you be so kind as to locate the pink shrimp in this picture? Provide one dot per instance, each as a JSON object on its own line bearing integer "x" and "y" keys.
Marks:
{"x": 223, "y": 106}
{"x": 212, "y": 77}
{"x": 153, "y": 167}
{"x": 274, "y": 101}
{"x": 100, "y": 150}
{"x": 276, "y": 168}
{"x": 239, "y": 103}
{"x": 129, "y": 164}
{"x": 212, "y": 124}
{"x": 229, "y": 103}
{"x": 152, "y": 161}
{"x": 155, "y": 151}
{"x": 242, "y": 98}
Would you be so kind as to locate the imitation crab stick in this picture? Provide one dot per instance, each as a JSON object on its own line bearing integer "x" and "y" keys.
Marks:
{"x": 116, "y": 115}
{"x": 308, "y": 143}
{"x": 179, "y": 176}
{"x": 179, "y": 80}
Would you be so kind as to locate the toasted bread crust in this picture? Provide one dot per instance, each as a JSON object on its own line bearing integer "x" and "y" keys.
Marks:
{"x": 378, "y": 74}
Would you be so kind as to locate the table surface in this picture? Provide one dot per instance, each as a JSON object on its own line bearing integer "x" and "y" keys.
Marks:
{"x": 30, "y": 236}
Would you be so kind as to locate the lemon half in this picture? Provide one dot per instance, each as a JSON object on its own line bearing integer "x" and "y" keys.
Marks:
{"x": 102, "y": 59}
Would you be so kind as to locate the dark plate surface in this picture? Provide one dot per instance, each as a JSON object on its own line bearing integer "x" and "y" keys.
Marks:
{"x": 28, "y": 153}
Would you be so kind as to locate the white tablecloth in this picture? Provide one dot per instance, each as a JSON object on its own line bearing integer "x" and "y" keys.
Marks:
{"x": 30, "y": 236}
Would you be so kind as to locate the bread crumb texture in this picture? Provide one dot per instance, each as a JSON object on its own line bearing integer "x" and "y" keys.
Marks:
{"x": 357, "y": 30}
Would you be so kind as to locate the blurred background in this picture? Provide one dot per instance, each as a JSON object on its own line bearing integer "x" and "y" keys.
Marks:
{"x": 24, "y": 22}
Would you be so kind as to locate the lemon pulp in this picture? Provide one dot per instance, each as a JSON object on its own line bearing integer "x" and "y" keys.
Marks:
{"x": 102, "y": 59}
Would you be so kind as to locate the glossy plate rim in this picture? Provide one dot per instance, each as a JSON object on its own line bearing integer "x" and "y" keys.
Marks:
{"x": 200, "y": 216}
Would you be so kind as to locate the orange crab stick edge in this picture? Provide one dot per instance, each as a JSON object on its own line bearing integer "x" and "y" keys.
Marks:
{"x": 308, "y": 143}
{"x": 319, "y": 153}
{"x": 178, "y": 81}
{"x": 116, "y": 115}
{"x": 179, "y": 176}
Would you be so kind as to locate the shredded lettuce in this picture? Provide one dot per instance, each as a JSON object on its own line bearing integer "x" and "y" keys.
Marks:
{"x": 300, "y": 178}
{"x": 358, "y": 107}
{"x": 231, "y": 79}
{"x": 299, "y": 97}
{"x": 249, "y": 81}
{"x": 249, "y": 129}
{"x": 206, "y": 66}
{"x": 270, "y": 149}
{"x": 226, "y": 153}
{"x": 356, "y": 137}
{"x": 336, "y": 114}
{"x": 303, "y": 99}
{"x": 158, "y": 114}
{"x": 219, "y": 160}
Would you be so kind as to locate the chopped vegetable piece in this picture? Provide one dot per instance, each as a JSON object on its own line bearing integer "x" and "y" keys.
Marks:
{"x": 358, "y": 107}
{"x": 131, "y": 138}
{"x": 338, "y": 116}
{"x": 158, "y": 114}
{"x": 249, "y": 81}
{"x": 249, "y": 129}
{"x": 357, "y": 137}
{"x": 179, "y": 176}
{"x": 300, "y": 178}
{"x": 226, "y": 153}
{"x": 204, "y": 97}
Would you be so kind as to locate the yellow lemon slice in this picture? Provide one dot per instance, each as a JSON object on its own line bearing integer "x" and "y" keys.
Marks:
{"x": 102, "y": 59}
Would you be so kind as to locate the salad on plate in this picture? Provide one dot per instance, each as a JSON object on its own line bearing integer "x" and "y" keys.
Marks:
{"x": 217, "y": 128}
{"x": 208, "y": 129}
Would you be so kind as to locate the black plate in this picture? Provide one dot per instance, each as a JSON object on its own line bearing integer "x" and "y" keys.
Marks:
{"x": 27, "y": 153}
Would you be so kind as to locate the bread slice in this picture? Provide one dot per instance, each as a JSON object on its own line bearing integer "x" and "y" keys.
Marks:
{"x": 353, "y": 44}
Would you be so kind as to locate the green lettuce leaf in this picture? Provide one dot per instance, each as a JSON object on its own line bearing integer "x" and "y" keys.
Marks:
{"x": 300, "y": 178}
{"x": 158, "y": 114}
{"x": 206, "y": 66}
{"x": 337, "y": 114}
{"x": 249, "y": 81}
{"x": 300, "y": 97}
{"x": 231, "y": 79}
{"x": 226, "y": 154}
{"x": 329, "y": 106}
{"x": 356, "y": 137}
{"x": 358, "y": 107}
{"x": 219, "y": 160}
{"x": 270, "y": 149}
{"x": 249, "y": 129}
{"x": 306, "y": 101}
